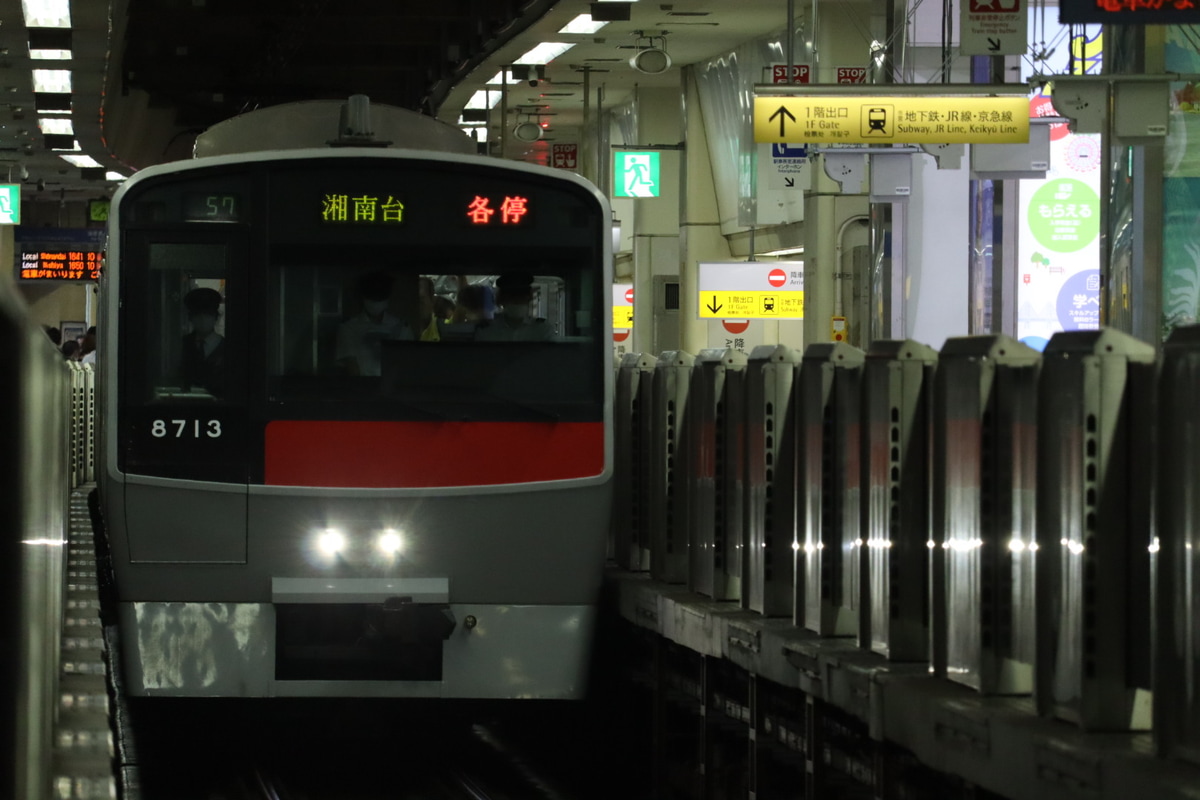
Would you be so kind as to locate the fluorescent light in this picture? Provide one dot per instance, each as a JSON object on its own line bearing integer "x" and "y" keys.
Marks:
{"x": 483, "y": 99}
{"x": 81, "y": 161}
{"x": 114, "y": 176}
{"x": 50, "y": 55}
{"x": 56, "y": 125}
{"x": 582, "y": 24}
{"x": 544, "y": 53}
{"x": 497, "y": 79}
{"x": 47, "y": 13}
{"x": 54, "y": 81}
{"x": 787, "y": 251}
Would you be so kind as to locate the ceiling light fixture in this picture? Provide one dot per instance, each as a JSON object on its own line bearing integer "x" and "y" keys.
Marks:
{"x": 56, "y": 125}
{"x": 52, "y": 81}
{"x": 483, "y": 99}
{"x": 583, "y": 24}
{"x": 47, "y": 13}
{"x": 544, "y": 53}
{"x": 81, "y": 161}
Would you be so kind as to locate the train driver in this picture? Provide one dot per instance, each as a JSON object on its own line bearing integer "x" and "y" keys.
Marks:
{"x": 514, "y": 295}
{"x": 203, "y": 363}
{"x": 358, "y": 338}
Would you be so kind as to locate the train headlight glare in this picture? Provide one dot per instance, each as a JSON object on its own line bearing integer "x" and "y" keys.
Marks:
{"x": 331, "y": 542}
{"x": 389, "y": 542}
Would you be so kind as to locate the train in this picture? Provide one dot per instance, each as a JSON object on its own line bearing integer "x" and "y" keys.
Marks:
{"x": 356, "y": 429}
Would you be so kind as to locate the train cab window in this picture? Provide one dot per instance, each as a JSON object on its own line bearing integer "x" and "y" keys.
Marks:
{"x": 187, "y": 307}
{"x": 430, "y": 342}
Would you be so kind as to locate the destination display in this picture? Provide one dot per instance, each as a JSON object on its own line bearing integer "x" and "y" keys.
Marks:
{"x": 60, "y": 265}
{"x": 891, "y": 119}
{"x": 1129, "y": 12}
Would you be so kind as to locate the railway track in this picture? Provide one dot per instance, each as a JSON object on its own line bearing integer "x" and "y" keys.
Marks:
{"x": 239, "y": 751}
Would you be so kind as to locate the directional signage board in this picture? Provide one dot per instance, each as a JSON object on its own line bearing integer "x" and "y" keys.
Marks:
{"x": 786, "y": 166}
{"x": 747, "y": 290}
{"x": 635, "y": 174}
{"x": 994, "y": 27}
{"x": 622, "y": 303}
{"x": 892, "y": 119}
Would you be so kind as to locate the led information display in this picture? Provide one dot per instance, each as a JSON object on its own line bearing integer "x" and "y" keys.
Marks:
{"x": 361, "y": 208}
{"x": 481, "y": 210}
{"x": 512, "y": 210}
{"x": 891, "y": 120}
{"x": 211, "y": 207}
{"x": 61, "y": 265}
{"x": 1129, "y": 12}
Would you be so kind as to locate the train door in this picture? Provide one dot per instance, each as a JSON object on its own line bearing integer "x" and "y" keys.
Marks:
{"x": 182, "y": 375}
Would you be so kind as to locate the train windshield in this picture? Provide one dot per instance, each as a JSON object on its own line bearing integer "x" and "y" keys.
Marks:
{"x": 365, "y": 288}
{"x": 457, "y": 339}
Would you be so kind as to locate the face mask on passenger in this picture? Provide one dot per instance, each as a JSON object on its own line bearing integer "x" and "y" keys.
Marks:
{"x": 204, "y": 324}
{"x": 516, "y": 311}
{"x": 375, "y": 307}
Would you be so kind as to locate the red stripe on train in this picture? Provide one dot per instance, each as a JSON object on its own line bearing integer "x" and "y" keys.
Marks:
{"x": 429, "y": 454}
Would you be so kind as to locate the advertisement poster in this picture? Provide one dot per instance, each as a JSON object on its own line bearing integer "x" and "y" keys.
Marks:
{"x": 1181, "y": 189}
{"x": 1058, "y": 241}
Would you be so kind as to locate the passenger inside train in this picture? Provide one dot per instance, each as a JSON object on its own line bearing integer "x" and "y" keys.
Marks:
{"x": 515, "y": 295}
{"x": 359, "y": 337}
{"x": 202, "y": 363}
{"x": 372, "y": 338}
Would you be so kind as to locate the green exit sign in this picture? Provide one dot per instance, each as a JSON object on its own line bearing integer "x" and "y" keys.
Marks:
{"x": 635, "y": 174}
{"x": 10, "y": 204}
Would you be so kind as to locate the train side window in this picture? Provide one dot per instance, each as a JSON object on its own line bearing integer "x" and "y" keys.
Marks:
{"x": 187, "y": 320}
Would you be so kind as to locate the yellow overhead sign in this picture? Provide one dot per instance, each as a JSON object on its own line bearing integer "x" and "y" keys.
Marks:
{"x": 751, "y": 305}
{"x": 622, "y": 316}
{"x": 891, "y": 119}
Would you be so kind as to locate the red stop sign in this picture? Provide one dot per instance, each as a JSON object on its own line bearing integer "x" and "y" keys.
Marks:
{"x": 777, "y": 277}
{"x": 621, "y": 335}
{"x": 629, "y": 295}
{"x": 736, "y": 325}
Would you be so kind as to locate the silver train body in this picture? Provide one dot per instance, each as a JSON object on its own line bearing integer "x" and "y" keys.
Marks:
{"x": 428, "y": 520}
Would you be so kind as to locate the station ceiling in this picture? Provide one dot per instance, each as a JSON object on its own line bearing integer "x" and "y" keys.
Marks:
{"x": 148, "y": 75}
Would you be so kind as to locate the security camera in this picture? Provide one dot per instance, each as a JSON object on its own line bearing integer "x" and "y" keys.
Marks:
{"x": 533, "y": 82}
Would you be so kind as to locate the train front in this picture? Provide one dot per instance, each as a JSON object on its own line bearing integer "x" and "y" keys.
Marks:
{"x": 357, "y": 435}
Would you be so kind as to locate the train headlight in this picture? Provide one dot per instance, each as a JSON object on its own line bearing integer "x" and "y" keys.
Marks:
{"x": 389, "y": 542}
{"x": 331, "y": 542}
